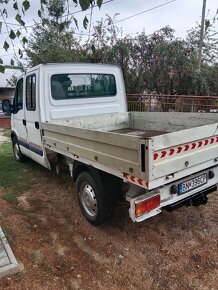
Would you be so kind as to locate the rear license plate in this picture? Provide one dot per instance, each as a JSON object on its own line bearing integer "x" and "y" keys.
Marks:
{"x": 192, "y": 183}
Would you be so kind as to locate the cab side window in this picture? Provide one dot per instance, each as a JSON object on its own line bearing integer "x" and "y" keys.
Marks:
{"x": 18, "y": 98}
{"x": 31, "y": 93}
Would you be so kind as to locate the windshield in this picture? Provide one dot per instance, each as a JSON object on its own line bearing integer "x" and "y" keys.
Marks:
{"x": 74, "y": 86}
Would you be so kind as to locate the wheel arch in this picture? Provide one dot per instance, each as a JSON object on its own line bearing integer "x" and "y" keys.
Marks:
{"x": 99, "y": 175}
{"x": 13, "y": 134}
{"x": 81, "y": 167}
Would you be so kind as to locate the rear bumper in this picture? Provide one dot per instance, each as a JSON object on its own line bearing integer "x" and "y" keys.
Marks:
{"x": 171, "y": 201}
{"x": 193, "y": 200}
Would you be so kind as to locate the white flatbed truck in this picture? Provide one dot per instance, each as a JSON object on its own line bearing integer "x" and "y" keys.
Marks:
{"x": 77, "y": 114}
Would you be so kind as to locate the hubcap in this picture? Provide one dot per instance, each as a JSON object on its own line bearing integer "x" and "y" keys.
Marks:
{"x": 16, "y": 151}
{"x": 88, "y": 199}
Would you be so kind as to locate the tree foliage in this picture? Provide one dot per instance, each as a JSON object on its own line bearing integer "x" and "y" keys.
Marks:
{"x": 21, "y": 9}
{"x": 52, "y": 39}
{"x": 210, "y": 43}
{"x": 158, "y": 63}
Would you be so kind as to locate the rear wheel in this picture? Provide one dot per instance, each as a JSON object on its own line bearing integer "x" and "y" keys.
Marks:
{"x": 18, "y": 156}
{"x": 95, "y": 198}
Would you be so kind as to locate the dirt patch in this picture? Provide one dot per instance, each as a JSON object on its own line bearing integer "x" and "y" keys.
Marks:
{"x": 3, "y": 138}
{"x": 22, "y": 201}
{"x": 59, "y": 249}
{"x": 83, "y": 245}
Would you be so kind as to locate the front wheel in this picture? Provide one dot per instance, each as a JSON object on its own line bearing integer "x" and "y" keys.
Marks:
{"x": 95, "y": 201}
{"x": 18, "y": 156}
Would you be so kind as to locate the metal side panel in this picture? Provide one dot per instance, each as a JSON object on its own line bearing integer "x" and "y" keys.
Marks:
{"x": 119, "y": 152}
{"x": 124, "y": 141}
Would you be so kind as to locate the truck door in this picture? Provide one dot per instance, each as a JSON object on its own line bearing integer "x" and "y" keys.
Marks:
{"x": 18, "y": 118}
{"x": 37, "y": 152}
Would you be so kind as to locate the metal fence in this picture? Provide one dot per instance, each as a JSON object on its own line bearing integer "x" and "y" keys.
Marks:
{"x": 171, "y": 103}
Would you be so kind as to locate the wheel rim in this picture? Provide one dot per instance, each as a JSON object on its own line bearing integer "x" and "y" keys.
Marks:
{"x": 88, "y": 199}
{"x": 16, "y": 151}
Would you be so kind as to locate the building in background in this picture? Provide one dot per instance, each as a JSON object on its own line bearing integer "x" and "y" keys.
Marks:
{"x": 7, "y": 89}
{"x": 7, "y": 84}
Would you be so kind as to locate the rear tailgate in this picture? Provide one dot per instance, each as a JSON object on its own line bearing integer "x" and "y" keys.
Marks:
{"x": 176, "y": 155}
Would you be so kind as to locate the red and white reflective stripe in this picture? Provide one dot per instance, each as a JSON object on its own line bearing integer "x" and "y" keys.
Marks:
{"x": 30, "y": 143}
{"x": 135, "y": 180}
{"x": 197, "y": 145}
{"x": 35, "y": 145}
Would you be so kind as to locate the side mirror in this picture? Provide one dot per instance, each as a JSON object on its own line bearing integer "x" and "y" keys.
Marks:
{"x": 6, "y": 107}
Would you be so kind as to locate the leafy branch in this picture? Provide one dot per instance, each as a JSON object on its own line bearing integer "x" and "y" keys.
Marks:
{"x": 22, "y": 10}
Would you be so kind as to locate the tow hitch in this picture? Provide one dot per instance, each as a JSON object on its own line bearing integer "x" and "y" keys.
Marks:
{"x": 198, "y": 200}
{"x": 193, "y": 200}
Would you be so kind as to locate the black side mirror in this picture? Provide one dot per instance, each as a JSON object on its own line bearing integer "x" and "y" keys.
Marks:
{"x": 6, "y": 107}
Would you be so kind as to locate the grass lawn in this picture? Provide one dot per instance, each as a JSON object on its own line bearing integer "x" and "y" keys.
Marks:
{"x": 15, "y": 177}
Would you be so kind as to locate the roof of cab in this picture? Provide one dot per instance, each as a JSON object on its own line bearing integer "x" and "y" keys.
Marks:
{"x": 69, "y": 64}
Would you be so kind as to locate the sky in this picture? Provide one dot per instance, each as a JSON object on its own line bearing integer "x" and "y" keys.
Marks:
{"x": 181, "y": 15}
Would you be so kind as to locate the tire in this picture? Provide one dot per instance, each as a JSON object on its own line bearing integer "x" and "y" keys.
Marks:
{"x": 18, "y": 156}
{"x": 95, "y": 198}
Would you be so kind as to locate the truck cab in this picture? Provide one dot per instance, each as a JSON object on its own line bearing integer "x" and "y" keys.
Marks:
{"x": 59, "y": 91}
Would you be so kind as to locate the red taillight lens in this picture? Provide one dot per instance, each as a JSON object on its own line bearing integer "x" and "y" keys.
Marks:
{"x": 147, "y": 205}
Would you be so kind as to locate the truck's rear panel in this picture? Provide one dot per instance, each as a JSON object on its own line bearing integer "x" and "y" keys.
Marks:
{"x": 180, "y": 154}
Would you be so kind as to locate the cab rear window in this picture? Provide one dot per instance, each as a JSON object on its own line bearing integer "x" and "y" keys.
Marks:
{"x": 74, "y": 86}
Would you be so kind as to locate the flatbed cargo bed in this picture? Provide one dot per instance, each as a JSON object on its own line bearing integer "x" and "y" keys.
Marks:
{"x": 141, "y": 145}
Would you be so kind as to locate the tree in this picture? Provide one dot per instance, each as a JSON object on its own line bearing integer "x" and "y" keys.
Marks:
{"x": 159, "y": 62}
{"x": 56, "y": 8}
{"x": 204, "y": 81}
{"x": 52, "y": 40}
{"x": 21, "y": 9}
{"x": 210, "y": 43}
{"x": 155, "y": 63}
{"x": 150, "y": 63}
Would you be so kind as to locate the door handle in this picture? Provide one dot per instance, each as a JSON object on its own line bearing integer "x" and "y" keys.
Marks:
{"x": 37, "y": 125}
{"x": 24, "y": 122}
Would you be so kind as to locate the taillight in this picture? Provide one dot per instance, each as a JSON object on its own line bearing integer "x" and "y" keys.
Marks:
{"x": 141, "y": 207}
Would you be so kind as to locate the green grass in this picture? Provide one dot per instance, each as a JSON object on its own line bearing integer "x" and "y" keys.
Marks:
{"x": 15, "y": 177}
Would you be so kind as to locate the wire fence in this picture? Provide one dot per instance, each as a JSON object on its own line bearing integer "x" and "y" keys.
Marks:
{"x": 172, "y": 103}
